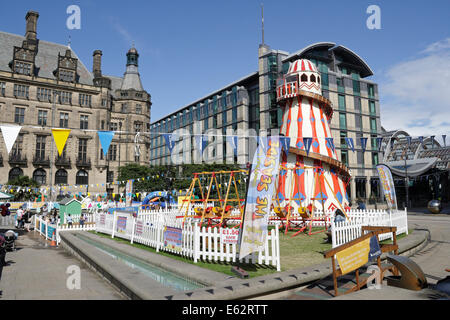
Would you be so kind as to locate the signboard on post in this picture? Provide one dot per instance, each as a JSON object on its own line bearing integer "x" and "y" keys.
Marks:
{"x": 139, "y": 227}
{"x": 173, "y": 238}
{"x": 387, "y": 184}
{"x": 260, "y": 190}
{"x": 358, "y": 254}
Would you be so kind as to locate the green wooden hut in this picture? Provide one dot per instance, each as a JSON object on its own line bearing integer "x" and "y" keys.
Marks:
{"x": 69, "y": 206}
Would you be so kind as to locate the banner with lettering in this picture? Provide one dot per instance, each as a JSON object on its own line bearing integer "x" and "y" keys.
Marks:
{"x": 173, "y": 238}
{"x": 129, "y": 192}
{"x": 387, "y": 184}
{"x": 264, "y": 173}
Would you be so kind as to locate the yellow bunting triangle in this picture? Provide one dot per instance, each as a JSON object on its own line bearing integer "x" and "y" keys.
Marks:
{"x": 60, "y": 136}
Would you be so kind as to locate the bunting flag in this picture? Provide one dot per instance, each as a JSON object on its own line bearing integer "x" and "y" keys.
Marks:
{"x": 233, "y": 141}
{"x": 60, "y": 136}
{"x": 10, "y": 134}
{"x": 409, "y": 140}
{"x": 285, "y": 143}
{"x": 349, "y": 142}
{"x": 330, "y": 142}
{"x": 379, "y": 142}
{"x": 105, "y": 138}
{"x": 443, "y": 138}
{"x": 363, "y": 144}
{"x": 307, "y": 143}
{"x": 170, "y": 140}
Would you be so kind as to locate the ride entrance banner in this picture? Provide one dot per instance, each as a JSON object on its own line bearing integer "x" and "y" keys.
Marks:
{"x": 387, "y": 184}
{"x": 264, "y": 173}
{"x": 358, "y": 254}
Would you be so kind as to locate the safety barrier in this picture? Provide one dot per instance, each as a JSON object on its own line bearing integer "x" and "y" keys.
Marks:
{"x": 192, "y": 241}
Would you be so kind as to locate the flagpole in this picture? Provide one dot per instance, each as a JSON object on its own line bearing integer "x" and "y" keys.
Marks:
{"x": 52, "y": 146}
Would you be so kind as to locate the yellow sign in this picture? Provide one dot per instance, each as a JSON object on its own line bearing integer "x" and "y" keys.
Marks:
{"x": 60, "y": 136}
{"x": 354, "y": 257}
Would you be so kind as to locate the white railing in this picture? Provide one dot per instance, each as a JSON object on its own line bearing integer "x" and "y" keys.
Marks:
{"x": 198, "y": 243}
{"x": 345, "y": 231}
{"x": 7, "y": 221}
{"x": 46, "y": 229}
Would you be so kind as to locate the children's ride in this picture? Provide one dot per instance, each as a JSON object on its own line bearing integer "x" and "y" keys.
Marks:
{"x": 311, "y": 174}
{"x": 213, "y": 196}
{"x": 157, "y": 199}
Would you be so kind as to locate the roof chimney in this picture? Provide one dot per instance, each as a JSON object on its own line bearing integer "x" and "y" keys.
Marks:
{"x": 97, "y": 65}
{"x": 31, "y": 19}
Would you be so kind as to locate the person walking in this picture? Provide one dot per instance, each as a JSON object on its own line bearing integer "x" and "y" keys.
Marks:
{"x": 69, "y": 221}
{"x": 82, "y": 219}
{"x": 20, "y": 220}
{"x": 2, "y": 254}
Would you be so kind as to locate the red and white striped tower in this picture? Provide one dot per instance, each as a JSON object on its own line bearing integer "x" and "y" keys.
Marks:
{"x": 317, "y": 177}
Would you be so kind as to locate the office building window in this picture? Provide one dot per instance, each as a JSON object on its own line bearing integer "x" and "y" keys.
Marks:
{"x": 2, "y": 88}
{"x": 342, "y": 121}
{"x": 371, "y": 90}
{"x": 343, "y": 135}
{"x": 234, "y": 114}
{"x": 373, "y": 124}
{"x": 19, "y": 115}
{"x": 39, "y": 175}
{"x": 84, "y": 121}
{"x": 21, "y": 90}
{"x": 138, "y": 109}
{"x": 82, "y": 177}
{"x": 22, "y": 68}
{"x": 82, "y": 149}
{"x": 344, "y": 157}
{"x": 113, "y": 126}
{"x": 110, "y": 176}
{"x": 375, "y": 158}
{"x": 18, "y": 145}
{"x": 44, "y": 94}
{"x": 357, "y": 102}
{"x": 42, "y": 117}
{"x": 137, "y": 126}
{"x": 63, "y": 120}
{"x": 112, "y": 152}
{"x": 358, "y": 121}
{"x": 340, "y": 85}
{"x": 61, "y": 176}
{"x": 360, "y": 187}
{"x": 356, "y": 87}
{"x": 14, "y": 173}
{"x": 85, "y": 100}
{"x": 341, "y": 102}
{"x": 372, "y": 109}
{"x": 66, "y": 75}
{"x": 40, "y": 147}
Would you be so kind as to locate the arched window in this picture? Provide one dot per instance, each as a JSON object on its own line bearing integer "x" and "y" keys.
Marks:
{"x": 14, "y": 173}
{"x": 61, "y": 176}
{"x": 39, "y": 175}
{"x": 312, "y": 78}
{"x": 304, "y": 77}
{"x": 82, "y": 177}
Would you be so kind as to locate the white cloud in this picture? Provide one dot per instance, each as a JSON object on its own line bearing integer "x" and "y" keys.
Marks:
{"x": 416, "y": 94}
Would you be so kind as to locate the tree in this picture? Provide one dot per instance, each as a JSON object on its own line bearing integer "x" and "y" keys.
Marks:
{"x": 24, "y": 182}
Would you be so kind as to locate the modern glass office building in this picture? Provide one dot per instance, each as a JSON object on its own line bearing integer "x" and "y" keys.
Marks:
{"x": 248, "y": 107}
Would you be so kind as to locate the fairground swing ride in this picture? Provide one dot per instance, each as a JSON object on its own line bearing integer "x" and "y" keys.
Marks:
{"x": 218, "y": 194}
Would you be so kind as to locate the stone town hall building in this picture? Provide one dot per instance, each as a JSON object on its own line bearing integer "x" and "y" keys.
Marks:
{"x": 44, "y": 85}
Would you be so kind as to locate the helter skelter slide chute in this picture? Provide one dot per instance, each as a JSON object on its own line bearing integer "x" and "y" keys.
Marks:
{"x": 311, "y": 176}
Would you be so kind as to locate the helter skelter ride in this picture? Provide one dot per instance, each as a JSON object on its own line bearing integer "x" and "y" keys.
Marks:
{"x": 213, "y": 196}
{"x": 311, "y": 177}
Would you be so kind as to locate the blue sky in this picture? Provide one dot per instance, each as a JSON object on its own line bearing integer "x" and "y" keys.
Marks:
{"x": 190, "y": 48}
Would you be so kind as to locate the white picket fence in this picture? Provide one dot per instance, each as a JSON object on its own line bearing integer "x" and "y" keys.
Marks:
{"x": 7, "y": 221}
{"x": 198, "y": 243}
{"x": 348, "y": 230}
